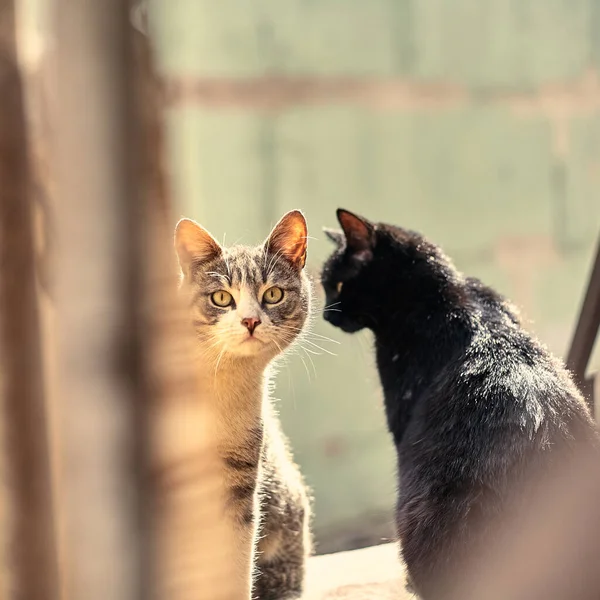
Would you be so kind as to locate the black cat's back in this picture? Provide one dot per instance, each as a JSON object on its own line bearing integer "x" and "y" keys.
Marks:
{"x": 477, "y": 407}
{"x": 489, "y": 299}
{"x": 485, "y": 426}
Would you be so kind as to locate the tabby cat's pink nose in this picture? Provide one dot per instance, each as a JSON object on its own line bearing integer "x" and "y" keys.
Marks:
{"x": 251, "y": 324}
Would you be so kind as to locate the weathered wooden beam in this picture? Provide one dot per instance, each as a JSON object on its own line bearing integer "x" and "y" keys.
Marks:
{"x": 284, "y": 92}
{"x": 98, "y": 410}
{"x": 32, "y": 565}
{"x": 588, "y": 324}
{"x": 589, "y": 389}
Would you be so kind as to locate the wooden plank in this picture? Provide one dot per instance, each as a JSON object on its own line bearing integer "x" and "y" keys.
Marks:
{"x": 588, "y": 324}
{"x": 98, "y": 451}
{"x": 32, "y": 565}
{"x": 589, "y": 389}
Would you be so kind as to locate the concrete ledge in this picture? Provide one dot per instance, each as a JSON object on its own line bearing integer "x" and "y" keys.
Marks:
{"x": 369, "y": 574}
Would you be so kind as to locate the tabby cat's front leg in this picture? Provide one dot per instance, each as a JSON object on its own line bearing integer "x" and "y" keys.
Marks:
{"x": 242, "y": 464}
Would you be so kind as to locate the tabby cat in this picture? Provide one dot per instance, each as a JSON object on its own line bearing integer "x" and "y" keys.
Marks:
{"x": 248, "y": 304}
{"x": 474, "y": 403}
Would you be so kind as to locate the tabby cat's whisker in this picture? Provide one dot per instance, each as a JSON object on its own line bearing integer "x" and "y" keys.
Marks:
{"x": 305, "y": 367}
{"x": 306, "y": 332}
{"x": 319, "y": 347}
{"x": 220, "y": 276}
{"x": 219, "y": 361}
{"x": 311, "y": 360}
{"x": 273, "y": 263}
{"x": 311, "y": 351}
{"x": 332, "y": 304}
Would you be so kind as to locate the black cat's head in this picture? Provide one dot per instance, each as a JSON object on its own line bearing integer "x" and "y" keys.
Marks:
{"x": 378, "y": 271}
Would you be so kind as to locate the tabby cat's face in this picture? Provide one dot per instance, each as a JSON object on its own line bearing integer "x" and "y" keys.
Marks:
{"x": 246, "y": 302}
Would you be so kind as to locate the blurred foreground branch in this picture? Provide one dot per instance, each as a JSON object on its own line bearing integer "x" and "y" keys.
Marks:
{"x": 192, "y": 558}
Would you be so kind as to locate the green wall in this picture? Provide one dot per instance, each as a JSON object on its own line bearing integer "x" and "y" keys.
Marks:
{"x": 476, "y": 122}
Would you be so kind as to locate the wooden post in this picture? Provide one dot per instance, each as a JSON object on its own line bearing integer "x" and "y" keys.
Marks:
{"x": 586, "y": 332}
{"x": 100, "y": 483}
{"x": 32, "y": 567}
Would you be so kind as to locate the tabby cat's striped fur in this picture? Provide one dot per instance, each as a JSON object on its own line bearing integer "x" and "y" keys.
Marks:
{"x": 248, "y": 305}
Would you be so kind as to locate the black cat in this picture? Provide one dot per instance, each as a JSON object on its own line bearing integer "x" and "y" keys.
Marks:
{"x": 473, "y": 401}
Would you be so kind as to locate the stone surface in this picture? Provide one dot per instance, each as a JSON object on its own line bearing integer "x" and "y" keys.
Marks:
{"x": 368, "y": 574}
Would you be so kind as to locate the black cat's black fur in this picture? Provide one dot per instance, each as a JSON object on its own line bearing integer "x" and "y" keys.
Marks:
{"x": 473, "y": 402}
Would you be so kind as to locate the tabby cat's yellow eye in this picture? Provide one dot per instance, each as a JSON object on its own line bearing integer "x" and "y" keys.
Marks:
{"x": 339, "y": 286}
{"x": 222, "y": 299}
{"x": 273, "y": 295}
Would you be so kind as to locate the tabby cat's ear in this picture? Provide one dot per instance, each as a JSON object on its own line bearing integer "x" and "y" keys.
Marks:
{"x": 194, "y": 244}
{"x": 335, "y": 235}
{"x": 359, "y": 233}
{"x": 288, "y": 238}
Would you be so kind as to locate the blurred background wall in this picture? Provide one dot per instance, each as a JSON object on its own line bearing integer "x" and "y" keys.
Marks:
{"x": 476, "y": 122}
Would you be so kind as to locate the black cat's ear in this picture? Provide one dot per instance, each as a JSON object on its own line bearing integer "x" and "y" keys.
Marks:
{"x": 335, "y": 235}
{"x": 288, "y": 238}
{"x": 359, "y": 233}
{"x": 194, "y": 244}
